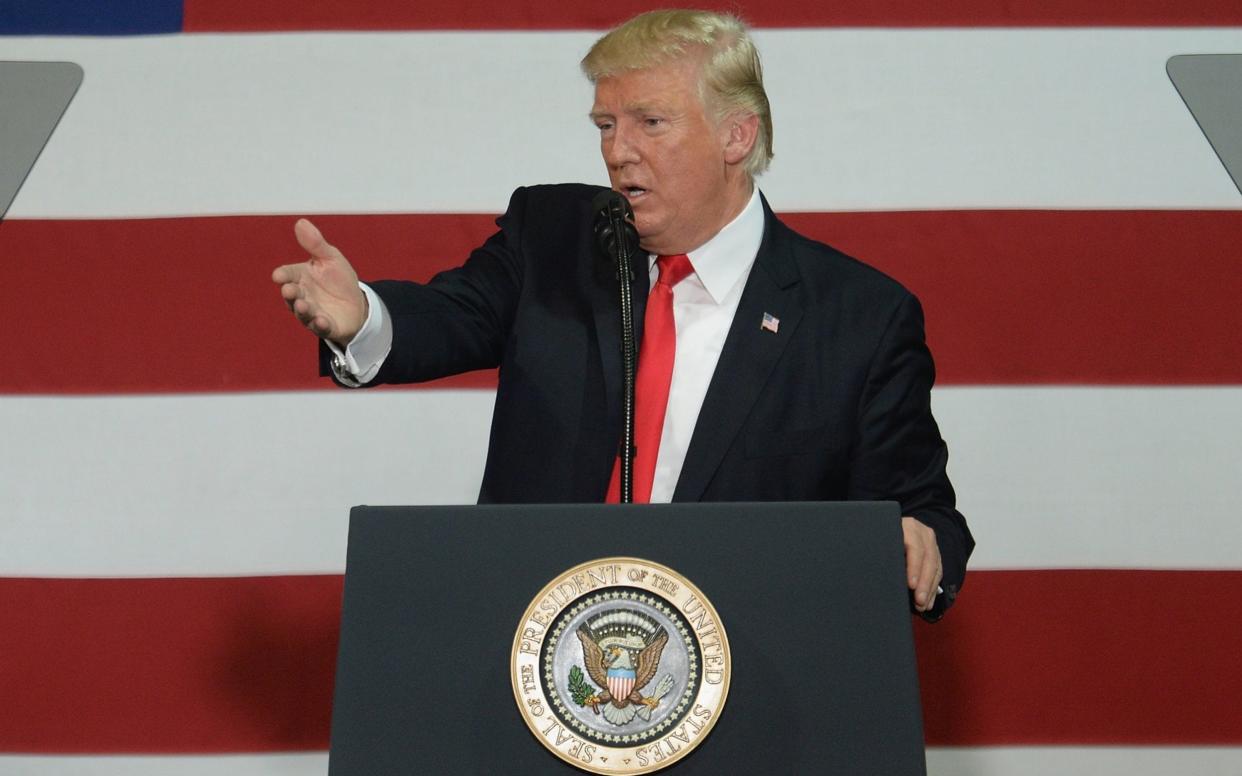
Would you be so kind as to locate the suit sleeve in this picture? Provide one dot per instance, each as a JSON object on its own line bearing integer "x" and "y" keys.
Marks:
{"x": 460, "y": 320}
{"x": 900, "y": 454}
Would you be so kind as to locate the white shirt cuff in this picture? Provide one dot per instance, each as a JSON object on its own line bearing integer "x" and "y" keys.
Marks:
{"x": 361, "y": 360}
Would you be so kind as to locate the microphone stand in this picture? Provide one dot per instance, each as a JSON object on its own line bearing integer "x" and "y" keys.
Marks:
{"x": 629, "y": 349}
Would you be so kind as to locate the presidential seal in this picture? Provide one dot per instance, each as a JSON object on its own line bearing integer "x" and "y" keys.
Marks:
{"x": 620, "y": 665}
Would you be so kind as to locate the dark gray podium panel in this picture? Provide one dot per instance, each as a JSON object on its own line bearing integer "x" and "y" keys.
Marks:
{"x": 812, "y": 597}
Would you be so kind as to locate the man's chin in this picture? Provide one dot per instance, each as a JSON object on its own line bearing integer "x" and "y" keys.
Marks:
{"x": 648, "y": 241}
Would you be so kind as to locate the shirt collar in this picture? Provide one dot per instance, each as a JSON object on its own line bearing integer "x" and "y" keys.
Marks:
{"x": 727, "y": 257}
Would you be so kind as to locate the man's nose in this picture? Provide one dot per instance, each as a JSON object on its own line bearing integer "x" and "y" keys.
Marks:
{"x": 619, "y": 148}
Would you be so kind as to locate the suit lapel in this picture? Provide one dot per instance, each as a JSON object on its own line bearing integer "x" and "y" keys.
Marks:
{"x": 746, "y": 361}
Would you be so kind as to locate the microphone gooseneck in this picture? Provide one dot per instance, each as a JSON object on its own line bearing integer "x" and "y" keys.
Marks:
{"x": 616, "y": 237}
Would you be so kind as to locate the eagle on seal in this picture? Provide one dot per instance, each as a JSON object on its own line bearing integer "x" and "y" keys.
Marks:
{"x": 611, "y": 665}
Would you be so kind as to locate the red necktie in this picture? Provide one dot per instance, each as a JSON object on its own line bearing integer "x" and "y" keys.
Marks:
{"x": 655, "y": 373}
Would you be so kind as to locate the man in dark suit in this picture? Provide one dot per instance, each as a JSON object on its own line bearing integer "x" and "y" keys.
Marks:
{"x": 790, "y": 371}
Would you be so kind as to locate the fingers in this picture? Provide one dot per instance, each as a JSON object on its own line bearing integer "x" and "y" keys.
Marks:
{"x": 322, "y": 292}
{"x": 311, "y": 240}
{"x": 319, "y": 324}
{"x": 923, "y": 566}
{"x": 294, "y": 279}
{"x": 308, "y": 235}
{"x": 288, "y": 273}
{"x": 291, "y": 290}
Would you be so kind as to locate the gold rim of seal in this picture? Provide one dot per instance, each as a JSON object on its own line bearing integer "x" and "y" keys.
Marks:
{"x": 616, "y": 756}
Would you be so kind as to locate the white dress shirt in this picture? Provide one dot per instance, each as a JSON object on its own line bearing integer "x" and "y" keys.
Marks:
{"x": 704, "y": 304}
{"x": 703, "y": 308}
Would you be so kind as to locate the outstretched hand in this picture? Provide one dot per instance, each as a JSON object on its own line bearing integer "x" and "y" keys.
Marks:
{"x": 322, "y": 292}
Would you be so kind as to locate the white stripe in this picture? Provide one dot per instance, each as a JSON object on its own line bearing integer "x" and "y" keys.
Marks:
{"x": 971, "y": 761}
{"x": 263, "y": 483}
{"x": 1096, "y": 477}
{"x": 309, "y": 764}
{"x": 1084, "y": 761}
{"x": 865, "y": 119}
{"x": 223, "y": 484}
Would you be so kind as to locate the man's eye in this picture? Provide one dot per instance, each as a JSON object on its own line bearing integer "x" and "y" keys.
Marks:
{"x": 652, "y": 121}
{"x": 603, "y": 126}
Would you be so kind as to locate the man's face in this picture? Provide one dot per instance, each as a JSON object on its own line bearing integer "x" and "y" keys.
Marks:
{"x": 666, "y": 155}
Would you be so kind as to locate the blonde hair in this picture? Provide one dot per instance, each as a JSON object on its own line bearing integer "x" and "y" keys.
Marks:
{"x": 731, "y": 78}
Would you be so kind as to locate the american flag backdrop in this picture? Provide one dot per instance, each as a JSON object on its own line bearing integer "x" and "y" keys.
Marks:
{"x": 175, "y": 480}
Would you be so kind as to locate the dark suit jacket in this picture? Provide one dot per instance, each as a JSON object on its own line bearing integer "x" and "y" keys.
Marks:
{"x": 833, "y": 406}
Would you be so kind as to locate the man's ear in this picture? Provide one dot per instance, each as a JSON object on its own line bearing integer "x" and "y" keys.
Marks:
{"x": 741, "y": 132}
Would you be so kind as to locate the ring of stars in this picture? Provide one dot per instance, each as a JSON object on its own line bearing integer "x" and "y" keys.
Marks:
{"x": 554, "y": 691}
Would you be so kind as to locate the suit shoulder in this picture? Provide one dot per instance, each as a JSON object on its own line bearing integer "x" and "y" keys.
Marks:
{"x": 548, "y": 194}
{"x": 829, "y": 269}
{"x": 548, "y": 208}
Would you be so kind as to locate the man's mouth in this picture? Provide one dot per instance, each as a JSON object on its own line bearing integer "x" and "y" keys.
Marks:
{"x": 633, "y": 192}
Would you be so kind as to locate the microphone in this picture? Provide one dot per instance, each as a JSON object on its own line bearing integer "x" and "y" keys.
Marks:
{"x": 616, "y": 238}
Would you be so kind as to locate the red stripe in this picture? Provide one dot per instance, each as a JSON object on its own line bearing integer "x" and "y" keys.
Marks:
{"x": 1126, "y": 297}
{"x": 187, "y": 304}
{"x": 241, "y": 15}
{"x": 246, "y": 664}
{"x": 1086, "y": 657}
{"x": 1012, "y": 297}
{"x": 167, "y": 665}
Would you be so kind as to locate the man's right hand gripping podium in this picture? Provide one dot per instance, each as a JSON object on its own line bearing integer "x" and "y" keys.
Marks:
{"x": 770, "y": 367}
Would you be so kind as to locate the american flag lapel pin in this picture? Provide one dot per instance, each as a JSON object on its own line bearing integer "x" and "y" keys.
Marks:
{"x": 770, "y": 323}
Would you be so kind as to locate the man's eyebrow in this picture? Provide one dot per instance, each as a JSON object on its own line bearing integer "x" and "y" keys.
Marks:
{"x": 633, "y": 110}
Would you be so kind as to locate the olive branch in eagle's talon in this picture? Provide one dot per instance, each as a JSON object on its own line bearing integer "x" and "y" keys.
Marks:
{"x": 582, "y": 692}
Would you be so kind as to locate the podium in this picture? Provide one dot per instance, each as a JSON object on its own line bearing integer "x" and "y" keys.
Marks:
{"x": 812, "y": 597}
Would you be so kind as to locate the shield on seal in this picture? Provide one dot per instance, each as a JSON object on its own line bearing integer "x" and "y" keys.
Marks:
{"x": 621, "y": 683}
